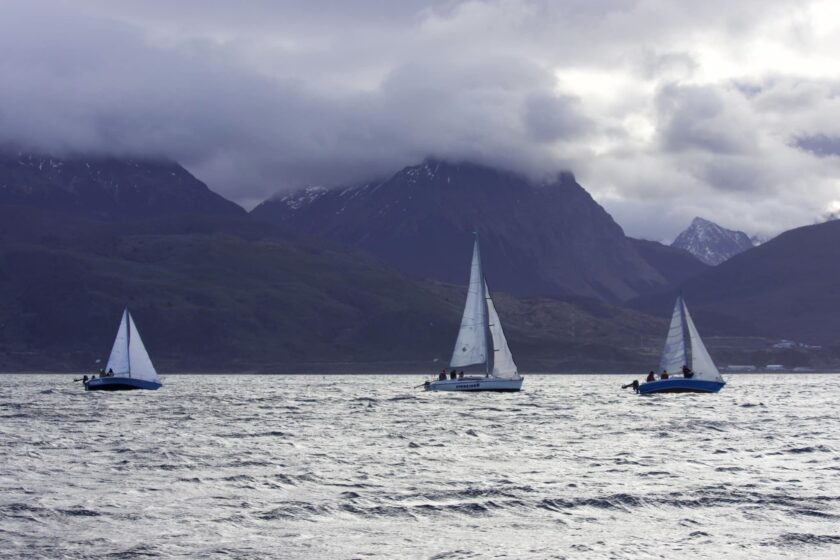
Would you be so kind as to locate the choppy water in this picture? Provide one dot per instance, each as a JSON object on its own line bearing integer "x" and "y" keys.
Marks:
{"x": 367, "y": 466}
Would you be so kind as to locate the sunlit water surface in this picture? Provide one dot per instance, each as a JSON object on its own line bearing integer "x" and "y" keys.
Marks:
{"x": 369, "y": 466}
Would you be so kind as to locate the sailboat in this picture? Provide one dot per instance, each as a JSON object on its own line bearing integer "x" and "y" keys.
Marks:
{"x": 686, "y": 358}
{"x": 481, "y": 341}
{"x": 129, "y": 361}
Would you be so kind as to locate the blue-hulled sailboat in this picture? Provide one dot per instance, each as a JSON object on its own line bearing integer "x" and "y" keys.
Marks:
{"x": 129, "y": 366}
{"x": 689, "y": 366}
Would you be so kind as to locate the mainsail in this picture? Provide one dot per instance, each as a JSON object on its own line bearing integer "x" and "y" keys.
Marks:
{"x": 129, "y": 357}
{"x": 118, "y": 360}
{"x": 675, "y": 353}
{"x": 471, "y": 345}
{"x": 503, "y": 365}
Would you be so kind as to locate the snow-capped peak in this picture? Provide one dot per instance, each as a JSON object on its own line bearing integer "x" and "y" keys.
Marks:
{"x": 712, "y": 243}
{"x": 302, "y": 197}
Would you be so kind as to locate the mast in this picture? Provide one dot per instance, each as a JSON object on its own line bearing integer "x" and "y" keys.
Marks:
{"x": 674, "y": 353}
{"x": 686, "y": 336}
{"x": 127, "y": 339}
{"x": 491, "y": 349}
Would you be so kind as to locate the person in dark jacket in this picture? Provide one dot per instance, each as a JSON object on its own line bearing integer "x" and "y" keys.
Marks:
{"x": 651, "y": 377}
{"x": 687, "y": 373}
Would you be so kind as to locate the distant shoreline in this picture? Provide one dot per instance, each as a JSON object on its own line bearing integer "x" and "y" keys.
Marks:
{"x": 402, "y": 374}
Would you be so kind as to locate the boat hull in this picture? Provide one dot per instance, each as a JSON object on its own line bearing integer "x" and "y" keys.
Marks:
{"x": 120, "y": 384}
{"x": 680, "y": 385}
{"x": 473, "y": 384}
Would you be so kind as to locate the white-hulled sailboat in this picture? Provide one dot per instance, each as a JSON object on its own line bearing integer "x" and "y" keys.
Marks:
{"x": 690, "y": 367}
{"x": 129, "y": 366}
{"x": 481, "y": 341}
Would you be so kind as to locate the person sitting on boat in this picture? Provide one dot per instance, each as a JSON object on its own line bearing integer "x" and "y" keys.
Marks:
{"x": 664, "y": 374}
{"x": 460, "y": 375}
{"x": 84, "y": 379}
{"x": 111, "y": 372}
{"x": 651, "y": 377}
{"x": 442, "y": 375}
{"x": 687, "y": 373}
{"x": 101, "y": 372}
{"x": 452, "y": 374}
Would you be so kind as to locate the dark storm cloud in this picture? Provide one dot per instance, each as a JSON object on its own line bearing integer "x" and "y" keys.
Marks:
{"x": 550, "y": 118}
{"x": 268, "y": 95}
{"x": 88, "y": 84}
{"x": 700, "y": 118}
{"x": 819, "y": 144}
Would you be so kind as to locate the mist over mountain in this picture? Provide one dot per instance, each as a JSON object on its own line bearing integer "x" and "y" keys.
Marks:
{"x": 537, "y": 239}
{"x": 712, "y": 243}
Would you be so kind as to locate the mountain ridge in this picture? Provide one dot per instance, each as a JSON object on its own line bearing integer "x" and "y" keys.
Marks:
{"x": 107, "y": 188}
{"x": 541, "y": 239}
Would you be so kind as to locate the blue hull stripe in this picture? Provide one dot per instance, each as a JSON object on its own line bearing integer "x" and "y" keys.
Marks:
{"x": 681, "y": 385}
{"x": 120, "y": 384}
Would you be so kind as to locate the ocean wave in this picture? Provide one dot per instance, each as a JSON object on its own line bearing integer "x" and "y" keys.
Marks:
{"x": 800, "y": 539}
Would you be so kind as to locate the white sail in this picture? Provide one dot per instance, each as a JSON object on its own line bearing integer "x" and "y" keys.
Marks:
{"x": 701, "y": 361}
{"x": 674, "y": 355}
{"x": 471, "y": 345}
{"x": 503, "y": 365}
{"x": 129, "y": 357}
{"x": 118, "y": 360}
{"x": 140, "y": 364}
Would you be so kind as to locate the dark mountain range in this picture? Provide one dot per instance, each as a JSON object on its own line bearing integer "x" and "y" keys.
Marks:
{"x": 213, "y": 289}
{"x": 537, "y": 239}
{"x": 712, "y": 243}
{"x": 231, "y": 294}
{"x": 785, "y": 288}
{"x": 106, "y": 188}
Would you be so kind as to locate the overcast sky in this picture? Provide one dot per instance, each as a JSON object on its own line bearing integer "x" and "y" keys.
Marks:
{"x": 663, "y": 110}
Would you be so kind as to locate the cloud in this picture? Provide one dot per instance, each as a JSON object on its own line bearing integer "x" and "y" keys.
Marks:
{"x": 819, "y": 145}
{"x": 704, "y": 118}
{"x": 551, "y": 118}
{"x": 663, "y": 110}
